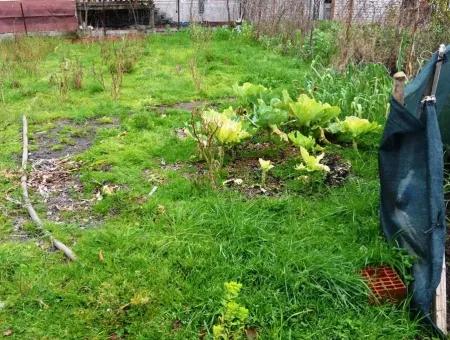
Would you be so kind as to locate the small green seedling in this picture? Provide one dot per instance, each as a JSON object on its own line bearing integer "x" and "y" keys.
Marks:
{"x": 265, "y": 167}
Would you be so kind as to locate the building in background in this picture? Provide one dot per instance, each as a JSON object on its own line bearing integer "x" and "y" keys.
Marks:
{"x": 206, "y": 11}
{"x": 60, "y": 16}
{"x": 37, "y": 16}
{"x": 364, "y": 11}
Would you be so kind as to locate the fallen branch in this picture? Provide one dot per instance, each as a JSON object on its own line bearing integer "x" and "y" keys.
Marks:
{"x": 26, "y": 199}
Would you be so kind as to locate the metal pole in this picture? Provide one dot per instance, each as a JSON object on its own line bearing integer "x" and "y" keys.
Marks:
{"x": 437, "y": 71}
{"x": 178, "y": 14}
{"x": 24, "y": 21}
{"x": 440, "y": 297}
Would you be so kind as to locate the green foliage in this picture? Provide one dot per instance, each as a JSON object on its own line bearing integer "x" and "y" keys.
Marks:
{"x": 311, "y": 163}
{"x": 214, "y": 133}
{"x": 353, "y": 128}
{"x": 322, "y": 46}
{"x": 309, "y": 112}
{"x": 266, "y": 166}
{"x": 227, "y": 127}
{"x": 249, "y": 93}
{"x": 265, "y": 116}
{"x": 300, "y": 140}
{"x": 368, "y": 86}
{"x": 233, "y": 317}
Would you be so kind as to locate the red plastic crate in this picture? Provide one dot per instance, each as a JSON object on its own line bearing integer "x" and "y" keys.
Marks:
{"x": 385, "y": 284}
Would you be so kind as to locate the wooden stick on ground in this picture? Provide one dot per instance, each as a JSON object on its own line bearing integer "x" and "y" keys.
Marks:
{"x": 26, "y": 199}
{"x": 440, "y": 302}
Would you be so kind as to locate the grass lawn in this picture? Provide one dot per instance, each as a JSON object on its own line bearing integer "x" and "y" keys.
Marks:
{"x": 154, "y": 266}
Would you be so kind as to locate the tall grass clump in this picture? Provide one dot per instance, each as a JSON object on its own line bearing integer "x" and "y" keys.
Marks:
{"x": 121, "y": 58}
{"x": 359, "y": 90}
{"x": 26, "y": 52}
{"x": 201, "y": 40}
{"x": 400, "y": 38}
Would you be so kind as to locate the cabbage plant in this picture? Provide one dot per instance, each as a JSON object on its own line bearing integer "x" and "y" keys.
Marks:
{"x": 266, "y": 116}
{"x": 311, "y": 113}
{"x": 353, "y": 128}
{"x": 249, "y": 93}
{"x": 225, "y": 126}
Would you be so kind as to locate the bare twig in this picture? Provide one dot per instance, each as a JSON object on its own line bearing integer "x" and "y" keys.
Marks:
{"x": 26, "y": 199}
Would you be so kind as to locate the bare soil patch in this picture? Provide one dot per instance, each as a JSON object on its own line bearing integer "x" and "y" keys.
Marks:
{"x": 54, "y": 174}
{"x": 186, "y": 106}
{"x": 59, "y": 187}
{"x": 248, "y": 171}
{"x": 192, "y": 105}
{"x": 339, "y": 170}
{"x": 66, "y": 138}
{"x": 243, "y": 173}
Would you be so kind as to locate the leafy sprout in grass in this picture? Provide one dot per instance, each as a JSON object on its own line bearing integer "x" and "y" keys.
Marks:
{"x": 300, "y": 140}
{"x": 265, "y": 167}
{"x": 282, "y": 135}
{"x": 311, "y": 163}
{"x": 231, "y": 323}
{"x": 353, "y": 128}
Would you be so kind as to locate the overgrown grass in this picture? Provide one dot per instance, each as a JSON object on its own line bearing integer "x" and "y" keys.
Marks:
{"x": 164, "y": 258}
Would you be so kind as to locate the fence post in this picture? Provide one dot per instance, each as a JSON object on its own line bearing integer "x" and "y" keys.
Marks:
{"x": 399, "y": 87}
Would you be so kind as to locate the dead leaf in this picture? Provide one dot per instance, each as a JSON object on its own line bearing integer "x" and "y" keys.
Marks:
{"x": 161, "y": 209}
{"x": 233, "y": 181}
{"x": 151, "y": 193}
{"x": 202, "y": 334}
{"x": 101, "y": 258}
{"x": 176, "y": 325}
{"x": 125, "y": 306}
{"x": 251, "y": 333}
{"x": 108, "y": 190}
{"x": 139, "y": 299}
{"x": 8, "y": 332}
{"x": 98, "y": 196}
{"x": 43, "y": 304}
{"x": 181, "y": 133}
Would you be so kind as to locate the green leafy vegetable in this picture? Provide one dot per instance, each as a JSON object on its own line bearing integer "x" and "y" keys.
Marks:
{"x": 248, "y": 92}
{"x": 265, "y": 167}
{"x": 300, "y": 140}
{"x": 353, "y": 128}
{"x": 265, "y": 115}
{"x": 282, "y": 103}
{"x": 357, "y": 127}
{"x": 309, "y": 112}
{"x": 231, "y": 322}
{"x": 311, "y": 163}
{"x": 282, "y": 135}
{"x": 226, "y": 126}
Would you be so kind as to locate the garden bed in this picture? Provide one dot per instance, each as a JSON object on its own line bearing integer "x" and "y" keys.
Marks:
{"x": 170, "y": 252}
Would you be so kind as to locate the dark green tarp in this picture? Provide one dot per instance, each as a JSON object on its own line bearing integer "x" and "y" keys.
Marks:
{"x": 411, "y": 169}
